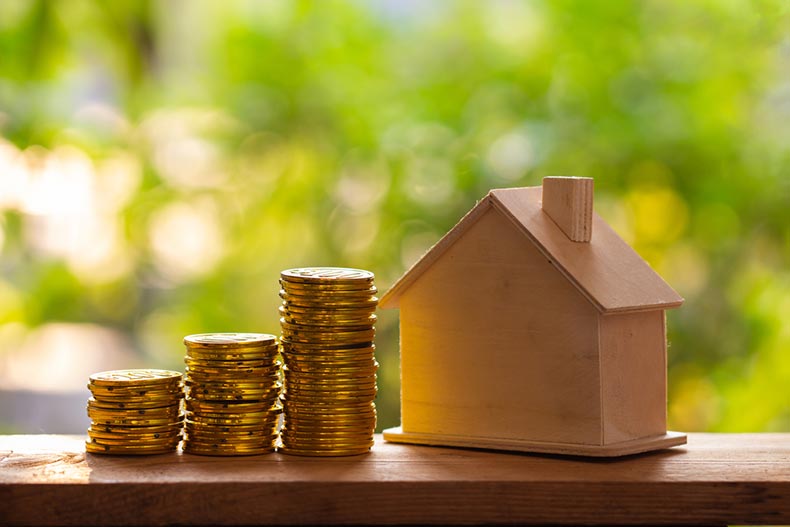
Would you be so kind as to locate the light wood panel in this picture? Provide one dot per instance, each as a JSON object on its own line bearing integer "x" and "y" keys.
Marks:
{"x": 569, "y": 202}
{"x": 607, "y": 270}
{"x": 623, "y": 448}
{"x": 496, "y": 343}
{"x": 633, "y": 375}
{"x": 716, "y": 479}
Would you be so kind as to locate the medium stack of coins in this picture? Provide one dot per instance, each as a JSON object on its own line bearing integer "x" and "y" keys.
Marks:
{"x": 135, "y": 412}
{"x": 233, "y": 384}
{"x": 327, "y": 320}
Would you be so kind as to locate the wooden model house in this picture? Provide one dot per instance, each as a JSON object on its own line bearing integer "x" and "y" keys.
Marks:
{"x": 533, "y": 326}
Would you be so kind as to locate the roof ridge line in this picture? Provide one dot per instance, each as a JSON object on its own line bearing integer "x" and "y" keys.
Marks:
{"x": 436, "y": 250}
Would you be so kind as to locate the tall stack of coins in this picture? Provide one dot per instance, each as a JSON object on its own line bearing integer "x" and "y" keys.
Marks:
{"x": 135, "y": 412}
{"x": 233, "y": 384}
{"x": 327, "y": 319}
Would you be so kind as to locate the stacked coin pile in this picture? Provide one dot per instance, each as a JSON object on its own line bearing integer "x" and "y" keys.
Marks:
{"x": 135, "y": 412}
{"x": 233, "y": 383}
{"x": 327, "y": 320}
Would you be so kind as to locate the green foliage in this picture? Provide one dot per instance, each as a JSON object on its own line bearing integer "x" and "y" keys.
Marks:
{"x": 202, "y": 148}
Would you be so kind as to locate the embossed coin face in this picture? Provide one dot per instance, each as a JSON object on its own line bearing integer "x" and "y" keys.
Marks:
{"x": 134, "y": 377}
{"x": 229, "y": 340}
{"x": 340, "y": 275}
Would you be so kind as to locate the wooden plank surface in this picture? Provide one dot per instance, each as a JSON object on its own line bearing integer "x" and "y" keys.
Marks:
{"x": 715, "y": 479}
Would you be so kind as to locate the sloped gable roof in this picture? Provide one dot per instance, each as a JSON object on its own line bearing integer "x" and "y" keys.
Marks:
{"x": 607, "y": 271}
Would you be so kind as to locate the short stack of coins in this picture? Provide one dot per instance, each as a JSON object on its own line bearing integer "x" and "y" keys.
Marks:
{"x": 329, "y": 381}
{"x": 135, "y": 412}
{"x": 232, "y": 384}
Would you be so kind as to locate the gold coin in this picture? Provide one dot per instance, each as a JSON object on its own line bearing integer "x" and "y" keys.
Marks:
{"x": 138, "y": 377}
{"x": 240, "y": 440}
{"x": 331, "y": 375}
{"x": 312, "y": 328}
{"x": 133, "y": 421}
{"x": 300, "y": 371}
{"x": 229, "y": 340}
{"x": 297, "y": 451}
{"x": 239, "y": 389}
{"x": 262, "y": 425}
{"x": 326, "y": 442}
{"x": 214, "y": 419}
{"x": 292, "y": 386}
{"x": 221, "y": 366}
{"x": 330, "y": 386}
{"x": 140, "y": 436}
{"x": 350, "y": 296}
{"x": 233, "y": 360}
{"x": 309, "y": 392}
{"x": 339, "y": 367}
{"x": 350, "y": 312}
{"x": 93, "y": 448}
{"x": 305, "y": 393}
{"x": 142, "y": 392}
{"x": 298, "y": 348}
{"x": 299, "y": 424}
{"x": 326, "y": 320}
{"x": 235, "y": 437}
{"x": 328, "y": 389}
{"x": 197, "y": 374}
{"x": 290, "y": 300}
{"x": 223, "y": 360}
{"x": 200, "y": 416}
{"x": 133, "y": 405}
{"x": 327, "y": 275}
{"x": 229, "y": 439}
{"x": 329, "y": 340}
{"x": 96, "y": 407}
{"x": 120, "y": 430}
{"x": 300, "y": 421}
{"x": 237, "y": 442}
{"x": 307, "y": 352}
{"x": 245, "y": 397}
{"x": 225, "y": 450}
{"x": 308, "y": 426}
{"x": 329, "y": 412}
{"x": 227, "y": 421}
{"x": 228, "y": 406}
{"x": 331, "y": 408}
{"x": 324, "y": 445}
{"x": 269, "y": 426}
{"x": 132, "y": 441}
{"x": 266, "y": 425}
{"x": 225, "y": 384}
{"x": 326, "y": 286}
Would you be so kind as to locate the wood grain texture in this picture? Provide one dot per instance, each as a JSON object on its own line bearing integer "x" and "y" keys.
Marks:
{"x": 497, "y": 344}
{"x": 715, "y": 479}
{"x": 569, "y": 202}
{"x": 623, "y": 448}
{"x": 633, "y": 375}
{"x": 607, "y": 270}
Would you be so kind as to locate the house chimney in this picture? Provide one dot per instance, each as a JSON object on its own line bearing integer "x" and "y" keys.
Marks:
{"x": 569, "y": 202}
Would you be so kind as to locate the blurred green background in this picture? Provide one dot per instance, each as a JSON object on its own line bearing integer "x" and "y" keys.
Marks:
{"x": 161, "y": 162}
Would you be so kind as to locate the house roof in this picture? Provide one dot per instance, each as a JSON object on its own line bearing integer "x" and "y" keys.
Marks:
{"x": 607, "y": 271}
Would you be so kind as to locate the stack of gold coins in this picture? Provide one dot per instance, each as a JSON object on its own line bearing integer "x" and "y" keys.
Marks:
{"x": 233, "y": 384}
{"x": 135, "y": 412}
{"x": 327, "y": 320}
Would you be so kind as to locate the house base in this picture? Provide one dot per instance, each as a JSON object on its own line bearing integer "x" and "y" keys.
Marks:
{"x": 635, "y": 446}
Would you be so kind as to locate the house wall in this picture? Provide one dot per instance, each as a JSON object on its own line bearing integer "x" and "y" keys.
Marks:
{"x": 633, "y": 375}
{"x": 496, "y": 343}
